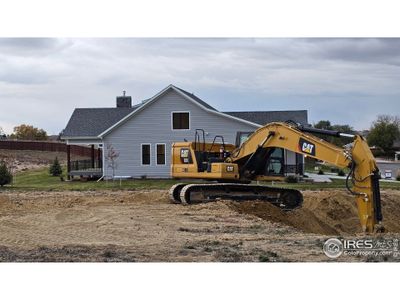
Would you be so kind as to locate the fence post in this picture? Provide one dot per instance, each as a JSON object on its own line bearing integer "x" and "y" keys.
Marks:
{"x": 99, "y": 158}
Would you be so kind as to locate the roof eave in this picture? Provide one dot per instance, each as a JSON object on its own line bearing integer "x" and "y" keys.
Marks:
{"x": 80, "y": 137}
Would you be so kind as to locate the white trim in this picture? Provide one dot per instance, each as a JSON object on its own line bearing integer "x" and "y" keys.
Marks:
{"x": 85, "y": 143}
{"x": 79, "y": 137}
{"x": 172, "y": 120}
{"x": 141, "y": 154}
{"x": 165, "y": 154}
{"x": 155, "y": 97}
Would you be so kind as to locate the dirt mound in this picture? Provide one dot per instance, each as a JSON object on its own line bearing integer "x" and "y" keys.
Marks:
{"x": 22, "y": 160}
{"x": 332, "y": 212}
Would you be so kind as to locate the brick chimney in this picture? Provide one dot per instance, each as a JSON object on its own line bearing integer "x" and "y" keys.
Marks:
{"x": 124, "y": 101}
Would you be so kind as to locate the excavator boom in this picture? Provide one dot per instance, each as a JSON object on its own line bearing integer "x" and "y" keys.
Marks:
{"x": 243, "y": 164}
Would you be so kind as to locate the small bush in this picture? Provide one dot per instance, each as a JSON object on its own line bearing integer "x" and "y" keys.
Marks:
{"x": 320, "y": 172}
{"x": 55, "y": 168}
{"x": 341, "y": 173}
{"x": 263, "y": 258}
{"x": 398, "y": 178}
{"x": 5, "y": 174}
{"x": 291, "y": 179}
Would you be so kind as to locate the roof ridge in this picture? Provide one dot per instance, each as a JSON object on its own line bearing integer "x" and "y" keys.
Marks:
{"x": 194, "y": 97}
{"x": 258, "y": 111}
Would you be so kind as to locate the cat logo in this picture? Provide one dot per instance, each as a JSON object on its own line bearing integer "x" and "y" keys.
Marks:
{"x": 306, "y": 147}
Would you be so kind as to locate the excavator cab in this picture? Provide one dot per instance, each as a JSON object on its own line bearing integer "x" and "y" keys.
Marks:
{"x": 203, "y": 160}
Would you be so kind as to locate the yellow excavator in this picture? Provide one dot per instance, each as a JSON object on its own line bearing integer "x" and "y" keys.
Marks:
{"x": 232, "y": 169}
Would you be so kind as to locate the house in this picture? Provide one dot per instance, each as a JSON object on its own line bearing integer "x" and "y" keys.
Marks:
{"x": 142, "y": 134}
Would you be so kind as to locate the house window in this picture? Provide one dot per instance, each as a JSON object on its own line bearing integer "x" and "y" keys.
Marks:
{"x": 160, "y": 154}
{"x": 145, "y": 154}
{"x": 180, "y": 120}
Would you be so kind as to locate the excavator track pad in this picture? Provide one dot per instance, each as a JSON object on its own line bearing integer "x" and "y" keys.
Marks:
{"x": 286, "y": 199}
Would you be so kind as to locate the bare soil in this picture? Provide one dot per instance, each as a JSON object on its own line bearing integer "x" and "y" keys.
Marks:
{"x": 22, "y": 160}
{"x": 325, "y": 212}
{"x": 145, "y": 226}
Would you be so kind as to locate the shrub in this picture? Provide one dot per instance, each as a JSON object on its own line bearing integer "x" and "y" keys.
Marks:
{"x": 5, "y": 174}
{"x": 398, "y": 178}
{"x": 291, "y": 179}
{"x": 320, "y": 172}
{"x": 55, "y": 168}
{"x": 341, "y": 173}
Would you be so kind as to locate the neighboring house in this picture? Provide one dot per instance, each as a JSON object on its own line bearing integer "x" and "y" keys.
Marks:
{"x": 142, "y": 134}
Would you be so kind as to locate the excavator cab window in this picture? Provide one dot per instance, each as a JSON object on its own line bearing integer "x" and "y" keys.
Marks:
{"x": 275, "y": 163}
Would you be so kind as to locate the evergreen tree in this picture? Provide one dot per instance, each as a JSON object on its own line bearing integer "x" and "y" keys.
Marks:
{"x": 55, "y": 168}
{"x": 5, "y": 174}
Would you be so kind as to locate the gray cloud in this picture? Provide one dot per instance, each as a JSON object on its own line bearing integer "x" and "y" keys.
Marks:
{"x": 32, "y": 46}
{"x": 345, "y": 80}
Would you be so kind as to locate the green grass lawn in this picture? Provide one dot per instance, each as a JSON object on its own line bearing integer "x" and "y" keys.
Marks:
{"x": 41, "y": 180}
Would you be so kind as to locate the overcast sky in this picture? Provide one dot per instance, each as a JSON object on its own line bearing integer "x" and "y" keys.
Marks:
{"x": 347, "y": 81}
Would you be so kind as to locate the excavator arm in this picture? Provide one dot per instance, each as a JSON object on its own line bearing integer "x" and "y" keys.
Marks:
{"x": 357, "y": 156}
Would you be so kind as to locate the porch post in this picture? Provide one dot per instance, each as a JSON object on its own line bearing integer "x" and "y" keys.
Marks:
{"x": 68, "y": 161}
{"x": 99, "y": 160}
{"x": 92, "y": 157}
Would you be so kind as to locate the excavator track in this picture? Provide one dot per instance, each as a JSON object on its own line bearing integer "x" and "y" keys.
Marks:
{"x": 286, "y": 199}
{"x": 175, "y": 192}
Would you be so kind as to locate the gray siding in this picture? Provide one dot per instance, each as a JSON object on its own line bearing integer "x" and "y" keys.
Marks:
{"x": 290, "y": 158}
{"x": 153, "y": 125}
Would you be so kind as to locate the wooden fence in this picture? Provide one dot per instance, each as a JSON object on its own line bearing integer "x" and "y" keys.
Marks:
{"x": 46, "y": 146}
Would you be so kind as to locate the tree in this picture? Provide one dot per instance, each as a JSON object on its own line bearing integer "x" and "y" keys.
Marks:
{"x": 28, "y": 132}
{"x": 111, "y": 157}
{"x": 55, "y": 168}
{"x": 384, "y": 132}
{"x": 323, "y": 124}
{"x": 5, "y": 174}
{"x": 338, "y": 141}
